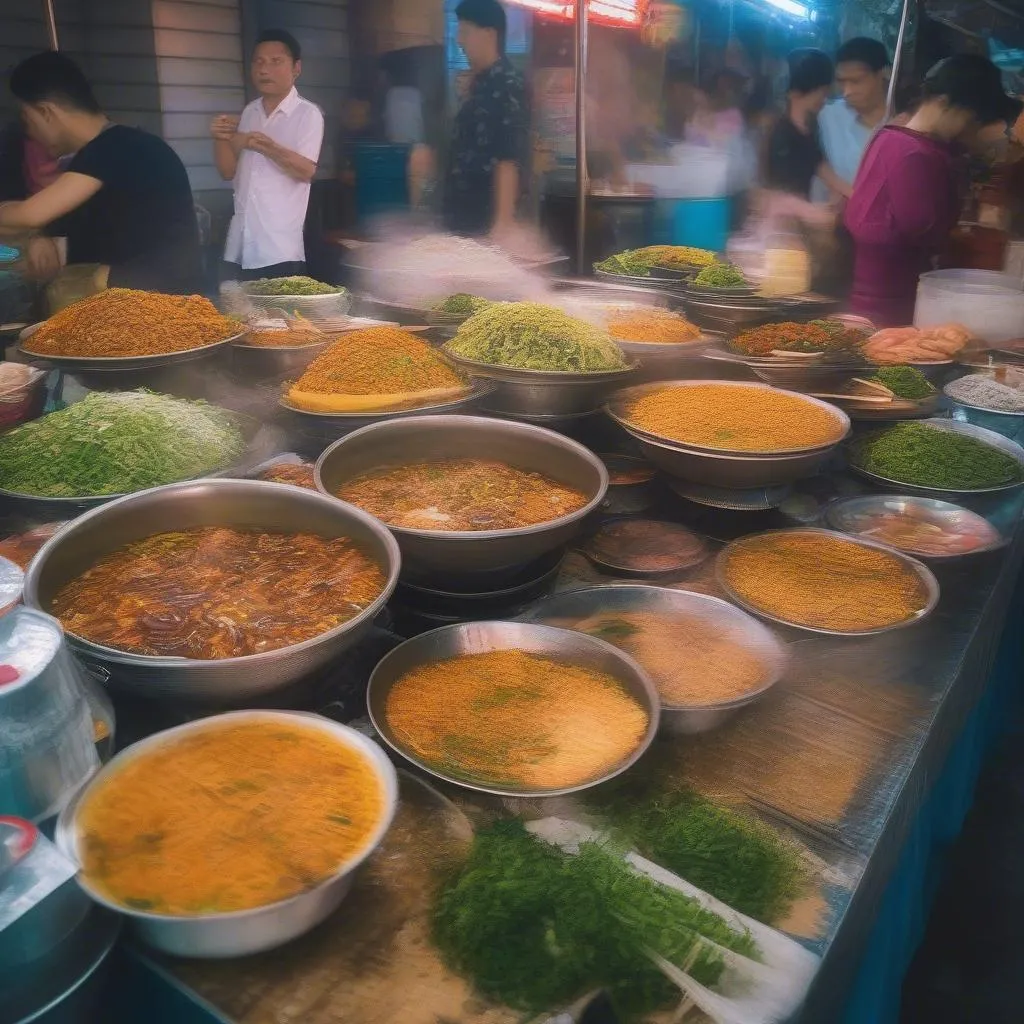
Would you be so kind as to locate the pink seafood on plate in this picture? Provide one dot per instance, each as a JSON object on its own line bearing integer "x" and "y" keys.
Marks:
{"x": 895, "y": 345}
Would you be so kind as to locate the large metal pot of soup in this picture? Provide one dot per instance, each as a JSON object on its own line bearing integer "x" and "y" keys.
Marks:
{"x": 464, "y": 494}
{"x": 281, "y": 581}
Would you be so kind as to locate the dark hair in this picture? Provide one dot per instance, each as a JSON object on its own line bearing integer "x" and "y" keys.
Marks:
{"x": 52, "y": 77}
{"x": 809, "y": 69}
{"x": 286, "y": 39}
{"x": 869, "y": 52}
{"x": 974, "y": 83}
{"x": 485, "y": 14}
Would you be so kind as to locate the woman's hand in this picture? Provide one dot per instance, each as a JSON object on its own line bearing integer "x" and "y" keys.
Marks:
{"x": 42, "y": 259}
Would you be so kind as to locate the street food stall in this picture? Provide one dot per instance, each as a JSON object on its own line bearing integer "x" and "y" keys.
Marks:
{"x": 646, "y": 663}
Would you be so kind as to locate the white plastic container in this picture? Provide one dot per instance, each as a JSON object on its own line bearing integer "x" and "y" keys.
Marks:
{"x": 988, "y": 303}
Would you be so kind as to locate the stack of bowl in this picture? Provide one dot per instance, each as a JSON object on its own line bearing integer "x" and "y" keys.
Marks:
{"x": 722, "y": 466}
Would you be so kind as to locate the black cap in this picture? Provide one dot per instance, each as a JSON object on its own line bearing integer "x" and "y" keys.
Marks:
{"x": 974, "y": 83}
{"x": 483, "y": 14}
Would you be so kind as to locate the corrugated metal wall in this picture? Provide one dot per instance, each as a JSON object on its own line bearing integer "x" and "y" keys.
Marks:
{"x": 200, "y": 68}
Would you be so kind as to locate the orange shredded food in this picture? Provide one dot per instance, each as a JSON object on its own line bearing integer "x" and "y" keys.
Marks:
{"x": 218, "y": 592}
{"x": 125, "y": 322}
{"x": 461, "y": 494}
{"x": 512, "y": 718}
{"x": 300, "y": 475}
{"x": 230, "y": 817}
{"x": 825, "y": 582}
{"x": 378, "y": 368}
{"x": 652, "y": 325}
{"x": 740, "y": 419}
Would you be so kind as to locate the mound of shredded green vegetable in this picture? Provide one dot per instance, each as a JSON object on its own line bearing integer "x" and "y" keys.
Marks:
{"x": 913, "y": 453}
{"x": 906, "y": 382}
{"x": 462, "y": 304}
{"x": 735, "y": 858}
{"x": 536, "y": 928}
{"x": 720, "y": 275}
{"x": 117, "y": 443}
{"x": 532, "y": 336}
{"x": 631, "y": 263}
{"x": 290, "y": 286}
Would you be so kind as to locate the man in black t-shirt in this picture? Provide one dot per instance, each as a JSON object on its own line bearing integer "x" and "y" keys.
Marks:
{"x": 124, "y": 201}
{"x": 794, "y": 154}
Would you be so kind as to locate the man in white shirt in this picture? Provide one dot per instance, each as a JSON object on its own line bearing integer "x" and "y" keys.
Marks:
{"x": 847, "y": 125}
{"x": 270, "y": 153}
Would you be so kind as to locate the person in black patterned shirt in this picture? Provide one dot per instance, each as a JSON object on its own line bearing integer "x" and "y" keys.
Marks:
{"x": 491, "y": 137}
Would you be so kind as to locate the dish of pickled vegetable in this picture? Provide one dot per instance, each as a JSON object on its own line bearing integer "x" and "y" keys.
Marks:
{"x": 218, "y": 592}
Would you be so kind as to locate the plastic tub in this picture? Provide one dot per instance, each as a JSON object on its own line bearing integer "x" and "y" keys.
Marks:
{"x": 989, "y": 303}
{"x": 702, "y": 223}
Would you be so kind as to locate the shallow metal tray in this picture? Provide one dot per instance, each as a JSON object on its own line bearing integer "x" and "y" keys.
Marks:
{"x": 842, "y": 514}
{"x": 989, "y": 437}
{"x": 616, "y": 408}
{"x": 482, "y": 637}
{"x": 81, "y": 363}
{"x": 919, "y": 568}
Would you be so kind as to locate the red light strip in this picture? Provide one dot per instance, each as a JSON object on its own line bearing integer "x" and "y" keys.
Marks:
{"x": 618, "y": 12}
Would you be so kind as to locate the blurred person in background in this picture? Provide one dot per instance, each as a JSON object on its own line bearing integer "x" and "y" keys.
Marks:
{"x": 719, "y": 121}
{"x": 403, "y": 111}
{"x": 271, "y": 154}
{"x": 847, "y": 124}
{"x": 485, "y": 174}
{"x": 910, "y": 188}
{"x": 124, "y": 202}
{"x": 794, "y": 155}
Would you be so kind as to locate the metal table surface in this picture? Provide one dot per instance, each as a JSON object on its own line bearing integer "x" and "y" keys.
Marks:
{"x": 840, "y": 755}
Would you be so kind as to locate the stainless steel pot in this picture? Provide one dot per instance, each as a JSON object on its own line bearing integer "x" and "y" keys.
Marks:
{"x": 46, "y": 723}
{"x": 433, "y": 552}
{"x": 240, "y": 503}
{"x": 246, "y": 931}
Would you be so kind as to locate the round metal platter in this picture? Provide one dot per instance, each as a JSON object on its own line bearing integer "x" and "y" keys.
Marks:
{"x": 655, "y": 280}
{"x": 92, "y": 363}
{"x": 922, "y": 571}
{"x": 844, "y": 514}
{"x": 515, "y": 375}
{"x": 621, "y": 546}
{"x": 353, "y": 419}
{"x": 616, "y": 409}
{"x": 989, "y": 437}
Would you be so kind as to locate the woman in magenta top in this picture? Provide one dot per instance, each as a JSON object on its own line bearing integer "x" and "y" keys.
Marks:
{"x": 909, "y": 189}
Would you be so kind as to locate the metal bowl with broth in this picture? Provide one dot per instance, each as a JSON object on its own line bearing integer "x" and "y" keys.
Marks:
{"x": 233, "y": 503}
{"x": 431, "y": 553}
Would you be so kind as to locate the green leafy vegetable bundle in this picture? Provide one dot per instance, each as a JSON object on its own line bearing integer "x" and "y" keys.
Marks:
{"x": 117, "y": 443}
{"x": 913, "y": 453}
{"x": 290, "y": 286}
{"x": 720, "y": 275}
{"x": 536, "y": 928}
{"x": 531, "y": 336}
{"x": 462, "y": 304}
{"x": 904, "y": 382}
{"x": 736, "y": 859}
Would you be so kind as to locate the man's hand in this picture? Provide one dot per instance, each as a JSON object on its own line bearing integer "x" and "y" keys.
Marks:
{"x": 260, "y": 143}
{"x": 42, "y": 259}
{"x": 223, "y": 127}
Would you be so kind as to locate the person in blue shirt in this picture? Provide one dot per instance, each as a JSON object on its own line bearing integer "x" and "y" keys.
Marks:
{"x": 847, "y": 124}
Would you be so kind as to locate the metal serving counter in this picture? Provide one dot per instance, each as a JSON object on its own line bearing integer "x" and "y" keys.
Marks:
{"x": 841, "y": 755}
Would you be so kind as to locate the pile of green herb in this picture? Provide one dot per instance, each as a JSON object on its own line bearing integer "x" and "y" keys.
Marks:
{"x": 532, "y": 336}
{"x": 913, "y": 453}
{"x": 905, "y": 382}
{"x": 536, "y": 928}
{"x": 736, "y": 859}
{"x": 720, "y": 275}
{"x": 462, "y": 304}
{"x": 117, "y": 443}
{"x": 290, "y": 286}
{"x": 631, "y": 263}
